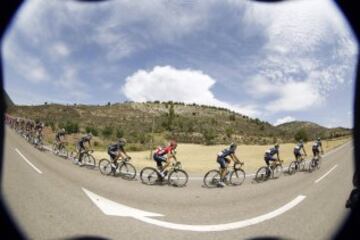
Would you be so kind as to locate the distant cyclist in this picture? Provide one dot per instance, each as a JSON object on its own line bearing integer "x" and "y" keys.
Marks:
{"x": 270, "y": 153}
{"x": 223, "y": 160}
{"x": 116, "y": 151}
{"x": 164, "y": 155}
{"x": 297, "y": 150}
{"x": 316, "y": 146}
{"x": 81, "y": 146}
{"x": 60, "y": 137}
{"x": 38, "y": 128}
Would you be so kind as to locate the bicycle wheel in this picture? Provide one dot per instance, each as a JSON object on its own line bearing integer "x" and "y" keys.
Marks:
{"x": 89, "y": 161}
{"x": 105, "y": 166}
{"x": 212, "y": 178}
{"x": 178, "y": 178}
{"x": 73, "y": 157}
{"x": 312, "y": 165}
{"x": 302, "y": 165}
{"x": 63, "y": 152}
{"x": 277, "y": 171}
{"x": 127, "y": 171}
{"x": 237, "y": 177}
{"x": 262, "y": 174}
{"x": 318, "y": 163}
{"x": 54, "y": 148}
{"x": 149, "y": 176}
{"x": 292, "y": 168}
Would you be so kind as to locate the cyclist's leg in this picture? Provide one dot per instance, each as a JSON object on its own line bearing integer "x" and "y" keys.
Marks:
{"x": 112, "y": 156}
{"x": 222, "y": 163}
{"x": 81, "y": 153}
{"x": 159, "y": 160}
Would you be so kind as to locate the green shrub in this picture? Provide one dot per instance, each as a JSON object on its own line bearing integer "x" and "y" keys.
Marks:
{"x": 92, "y": 130}
{"x": 107, "y": 132}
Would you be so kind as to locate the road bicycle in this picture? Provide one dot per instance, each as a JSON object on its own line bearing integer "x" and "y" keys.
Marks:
{"x": 37, "y": 142}
{"x": 59, "y": 149}
{"x": 88, "y": 159}
{"x": 273, "y": 171}
{"x": 235, "y": 176}
{"x": 297, "y": 165}
{"x": 315, "y": 163}
{"x": 176, "y": 176}
{"x": 120, "y": 167}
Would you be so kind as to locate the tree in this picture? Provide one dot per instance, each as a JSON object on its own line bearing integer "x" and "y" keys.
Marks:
{"x": 171, "y": 116}
{"x": 301, "y": 134}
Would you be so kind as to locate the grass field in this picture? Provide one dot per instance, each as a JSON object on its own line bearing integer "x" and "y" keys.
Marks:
{"x": 199, "y": 158}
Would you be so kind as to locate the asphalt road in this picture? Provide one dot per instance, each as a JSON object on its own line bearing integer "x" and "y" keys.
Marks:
{"x": 49, "y": 201}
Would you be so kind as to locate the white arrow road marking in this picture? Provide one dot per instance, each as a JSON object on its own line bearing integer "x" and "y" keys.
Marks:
{"x": 112, "y": 208}
{"x": 27, "y": 161}
{"x": 321, "y": 178}
{"x": 109, "y": 207}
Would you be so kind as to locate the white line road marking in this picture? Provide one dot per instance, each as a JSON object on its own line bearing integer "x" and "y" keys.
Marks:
{"x": 321, "y": 178}
{"x": 27, "y": 161}
{"x": 109, "y": 207}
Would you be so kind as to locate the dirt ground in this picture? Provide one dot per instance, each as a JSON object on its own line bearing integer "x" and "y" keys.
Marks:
{"x": 199, "y": 158}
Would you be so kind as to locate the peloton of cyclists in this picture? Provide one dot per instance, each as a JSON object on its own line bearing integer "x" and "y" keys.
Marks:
{"x": 116, "y": 151}
{"x": 165, "y": 154}
{"x": 223, "y": 160}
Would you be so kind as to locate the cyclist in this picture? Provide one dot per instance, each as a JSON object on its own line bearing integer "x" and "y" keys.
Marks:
{"x": 159, "y": 157}
{"x": 81, "y": 146}
{"x": 117, "y": 151}
{"x": 297, "y": 150}
{"x": 38, "y": 130}
{"x": 59, "y": 138}
{"x": 315, "y": 147}
{"x": 223, "y": 160}
{"x": 269, "y": 154}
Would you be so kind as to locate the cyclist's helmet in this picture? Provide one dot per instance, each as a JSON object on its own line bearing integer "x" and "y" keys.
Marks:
{"x": 233, "y": 146}
{"x": 89, "y": 136}
{"x": 173, "y": 143}
{"x": 62, "y": 130}
{"x": 318, "y": 139}
{"x": 277, "y": 146}
{"x": 122, "y": 141}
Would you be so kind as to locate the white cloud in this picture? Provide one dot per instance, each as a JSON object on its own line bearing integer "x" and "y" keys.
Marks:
{"x": 61, "y": 49}
{"x": 284, "y": 120}
{"x": 166, "y": 83}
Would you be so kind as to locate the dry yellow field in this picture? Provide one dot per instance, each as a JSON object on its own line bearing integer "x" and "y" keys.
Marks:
{"x": 199, "y": 158}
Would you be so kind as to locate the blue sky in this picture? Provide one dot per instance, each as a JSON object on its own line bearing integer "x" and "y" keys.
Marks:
{"x": 278, "y": 62}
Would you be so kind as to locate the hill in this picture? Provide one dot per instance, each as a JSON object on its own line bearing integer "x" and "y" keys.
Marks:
{"x": 312, "y": 130}
{"x": 188, "y": 123}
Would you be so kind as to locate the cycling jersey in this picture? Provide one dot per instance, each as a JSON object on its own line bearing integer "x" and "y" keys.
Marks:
{"x": 58, "y": 135}
{"x": 298, "y": 147}
{"x": 316, "y": 144}
{"x": 226, "y": 152}
{"x": 163, "y": 151}
{"x": 82, "y": 141}
{"x": 271, "y": 152}
{"x": 116, "y": 147}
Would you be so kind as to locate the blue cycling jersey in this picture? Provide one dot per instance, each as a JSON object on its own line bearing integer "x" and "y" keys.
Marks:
{"x": 271, "y": 152}
{"x": 226, "y": 152}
